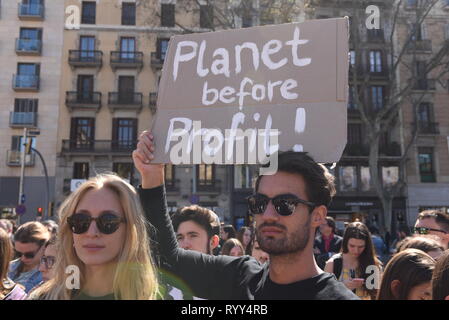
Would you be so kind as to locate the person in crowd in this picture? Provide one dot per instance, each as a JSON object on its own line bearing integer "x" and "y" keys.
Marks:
{"x": 29, "y": 244}
{"x": 327, "y": 243}
{"x": 407, "y": 276}
{"x": 245, "y": 237}
{"x": 403, "y": 231}
{"x": 196, "y": 228}
{"x": 227, "y": 232}
{"x": 433, "y": 222}
{"x": 258, "y": 253}
{"x": 287, "y": 206}
{"x": 7, "y": 225}
{"x": 233, "y": 247}
{"x": 104, "y": 241}
{"x": 379, "y": 244}
{"x": 9, "y": 290}
{"x": 357, "y": 254}
{"x": 48, "y": 260}
{"x": 440, "y": 278}
{"x": 431, "y": 246}
{"x": 52, "y": 226}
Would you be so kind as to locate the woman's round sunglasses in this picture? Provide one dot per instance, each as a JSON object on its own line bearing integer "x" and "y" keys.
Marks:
{"x": 284, "y": 204}
{"x": 107, "y": 223}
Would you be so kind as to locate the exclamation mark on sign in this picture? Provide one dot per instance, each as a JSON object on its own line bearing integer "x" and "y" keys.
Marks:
{"x": 300, "y": 125}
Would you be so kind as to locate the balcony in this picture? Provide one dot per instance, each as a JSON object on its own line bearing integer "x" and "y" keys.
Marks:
{"x": 356, "y": 150}
{"x": 28, "y": 47}
{"x": 156, "y": 62}
{"x": 25, "y": 82}
{"x": 31, "y": 12}
{"x": 86, "y": 58}
{"x": 125, "y": 101}
{"x": 99, "y": 147}
{"x": 208, "y": 186}
{"x": 83, "y": 100}
{"x": 126, "y": 59}
{"x": 427, "y": 128}
{"x": 420, "y": 46}
{"x": 153, "y": 101}
{"x": 425, "y": 85}
{"x": 14, "y": 158}
{"x": 23, "y": 119}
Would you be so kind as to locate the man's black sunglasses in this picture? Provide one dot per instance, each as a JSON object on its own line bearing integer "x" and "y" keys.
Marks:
{"x": 284, "y": 204}
{"x": 424, "y": 230}
{"x": 107, "y": 223}
{"x": 28, "y": 255}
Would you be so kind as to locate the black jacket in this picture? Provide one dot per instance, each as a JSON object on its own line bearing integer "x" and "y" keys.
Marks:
{"x": 324, "y": 255}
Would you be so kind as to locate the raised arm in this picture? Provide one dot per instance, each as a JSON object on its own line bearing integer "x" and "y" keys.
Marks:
{"x": 208, "y": 276}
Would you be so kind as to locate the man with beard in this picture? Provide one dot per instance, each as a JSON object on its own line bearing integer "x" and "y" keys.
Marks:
{"x": 288, "y": 207}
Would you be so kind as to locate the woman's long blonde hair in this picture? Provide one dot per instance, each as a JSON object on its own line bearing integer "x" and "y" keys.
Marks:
{"x": 135, "y": 275}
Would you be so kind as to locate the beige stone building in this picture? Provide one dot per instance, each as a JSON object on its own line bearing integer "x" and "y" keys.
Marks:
{"x": 30, "y": 58}
{"x": 427, "y": 112}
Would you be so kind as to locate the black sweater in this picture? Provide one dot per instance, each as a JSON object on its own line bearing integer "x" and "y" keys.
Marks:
{"x": 225, "y": 277}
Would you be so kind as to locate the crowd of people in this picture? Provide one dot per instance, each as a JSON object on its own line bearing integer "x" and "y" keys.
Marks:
{"x": 114, "y": 241}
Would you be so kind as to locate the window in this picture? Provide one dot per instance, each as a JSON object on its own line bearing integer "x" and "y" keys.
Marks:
{"x": 243, "y": 177}
{"x": 82, "y": 133}
{"x": 205, "y": 175}
{"x": 81, "y": 170}
{"x": 162, "y": 46}
{"x": 127, "y": 48}
{"x": 169, "y": 175}
{"x": 30, "y": 39}
{"x": 124, "y": 133}
{"x": 85, "y": 88}
{"x": 352, "y": 104}
{"x": 390, "y": 176}
{"x": 124, "y": 170}
{"x": 126, "y": 89}
{"x": 375, "y": 34}
{"x": 247, "y": 21}
{"x": 31, "y": 69}
{"x": 352, "y": 57}
{"x": 348, "y": 178}
{"x": 167, "y": 15}
{"x": 128, "y": 14}
{"x": 418, "y": 32}
{"x": 88, "y": 12}
{"x": 25, "y": 105}
{"x": 375, "y": 61}
{"x": 426, "y": 166}
{"x": 206, "y": 16}
{"x": 354, "y": 134}
{"x": 87, "y": 48}
{"x": 27, "y": 75}
{"x": 18, "y": 143}
{"x": 365, "y": 179}
{"x": 377, "y": 95}
{"x": 32, "y": 7}
{"x": 425, "y": 113}
{"x": 411, "y": 4}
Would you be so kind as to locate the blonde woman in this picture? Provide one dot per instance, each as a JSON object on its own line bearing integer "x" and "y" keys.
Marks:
{"x": 103, "y": 234}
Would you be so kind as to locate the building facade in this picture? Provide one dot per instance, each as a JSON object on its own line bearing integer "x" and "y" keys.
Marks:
{"x": 30, "y": 57}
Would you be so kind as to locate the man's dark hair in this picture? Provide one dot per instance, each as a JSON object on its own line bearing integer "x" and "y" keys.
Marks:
{"x": 319, "y": 183}
{"x": 206, "y": 218}
{"x": 441, "y": 218}
{"x": 230, "y": 230}
{"x": 331, "y": 223}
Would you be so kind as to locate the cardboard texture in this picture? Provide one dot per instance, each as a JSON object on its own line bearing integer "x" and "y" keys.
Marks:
{"x": 291, "y": 77}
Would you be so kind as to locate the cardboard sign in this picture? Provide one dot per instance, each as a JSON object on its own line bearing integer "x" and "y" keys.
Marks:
{"x": 233, "y": 97}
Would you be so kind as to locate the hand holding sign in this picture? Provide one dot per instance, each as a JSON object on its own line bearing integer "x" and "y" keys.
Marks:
{"x": 152, "y": 174}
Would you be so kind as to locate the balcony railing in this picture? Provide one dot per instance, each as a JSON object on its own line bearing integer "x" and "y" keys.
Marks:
{"x": 83, "y": 100}
{"x": 25, "y": 82}
{"x": 156, "y": 62}
{"x": 420, "y": 45}
{"x": 14, "y": 158}
{"x": 22, "y": 119}
{"x": 28, "y": 46}
{"x": 119, "y": 100}
{"x": 98, "y": 146}
{"x": 85, "y": 58}
{"x": 425, "y": 85}
{"x": 425, "y": 127}
{"x": 31, "y": 11}
{"x": 126, "y": 59}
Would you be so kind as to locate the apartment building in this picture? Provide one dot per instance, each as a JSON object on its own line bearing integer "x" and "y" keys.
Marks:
{"x": 426, "y": 113}
{"x": 30, "y": 57}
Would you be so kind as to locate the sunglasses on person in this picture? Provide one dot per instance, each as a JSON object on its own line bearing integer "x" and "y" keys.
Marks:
{"x": 107, "y": 223}
{"x": 27, "y": 255}
{"x": 424, "y": 230}
{"x": 48, "y": 261}
{"x": 284, "y": 204}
